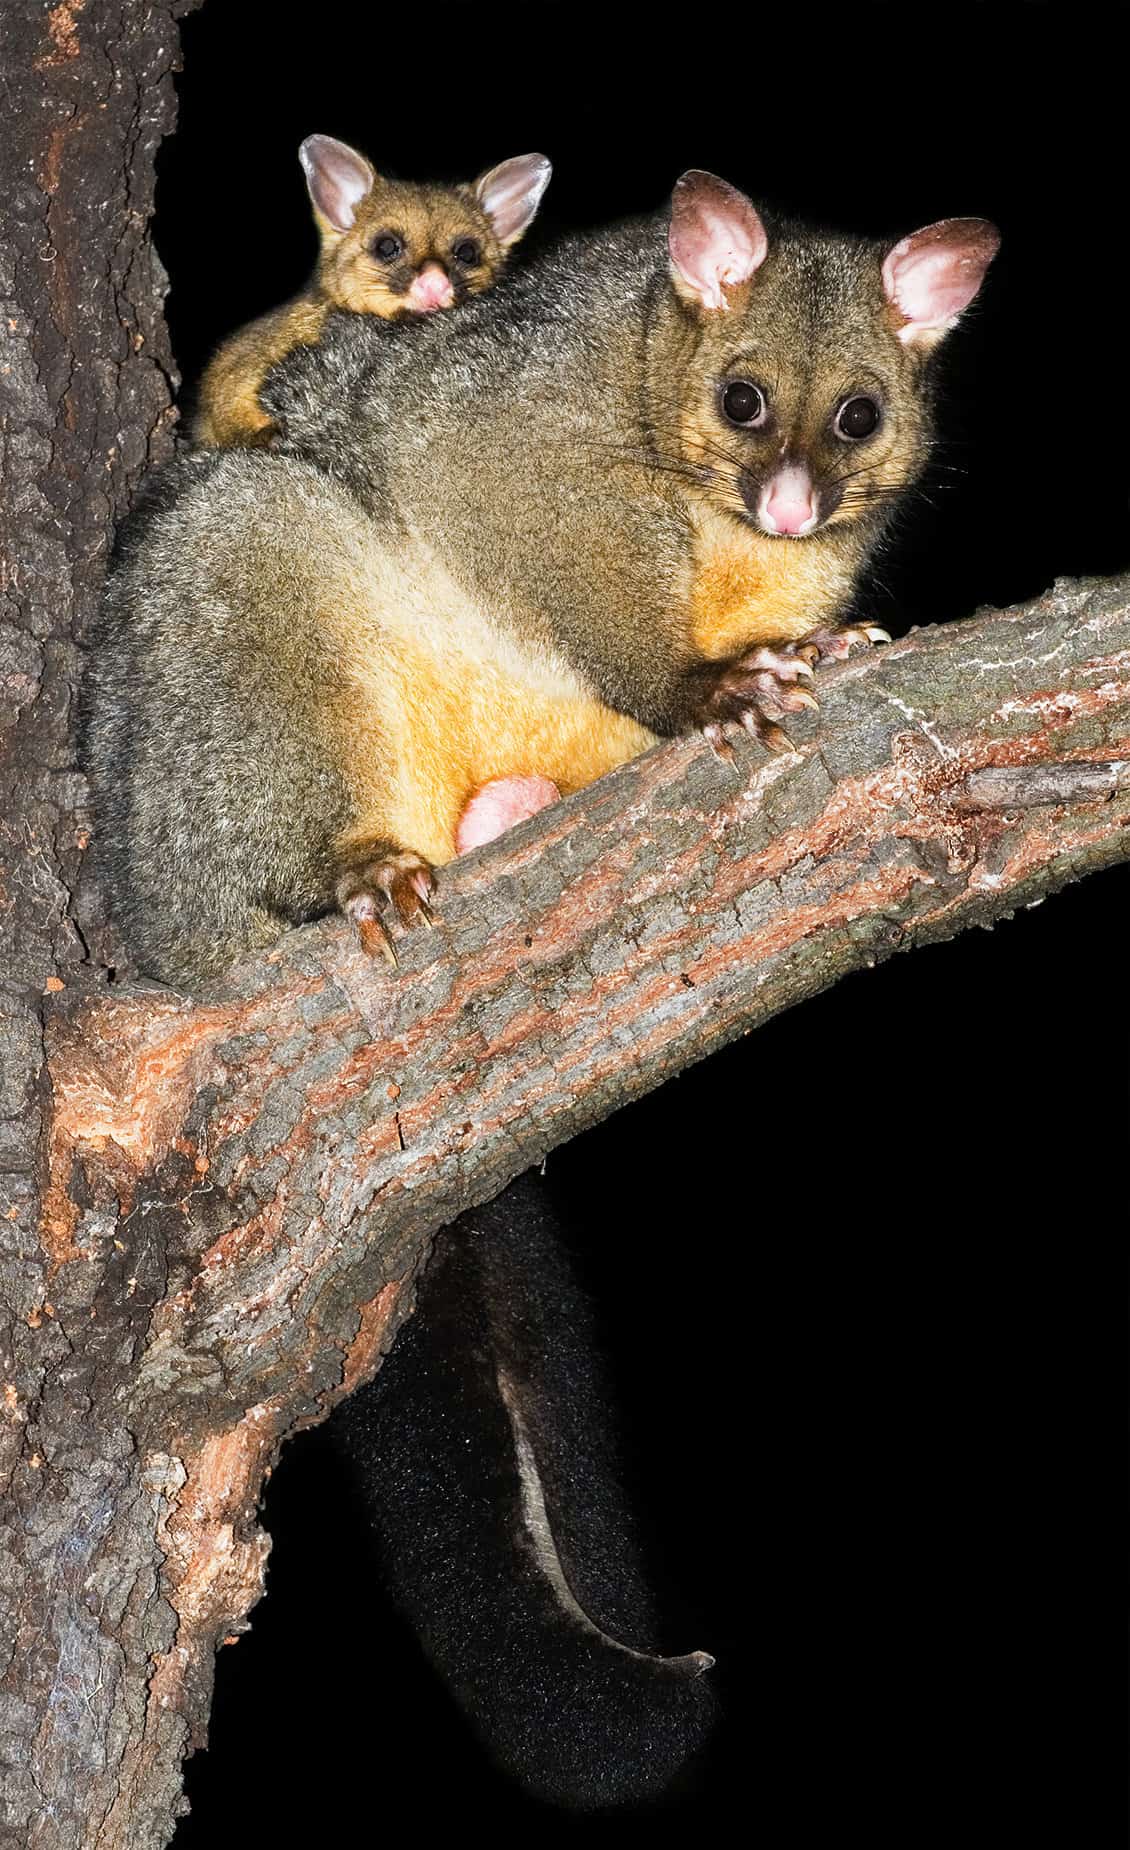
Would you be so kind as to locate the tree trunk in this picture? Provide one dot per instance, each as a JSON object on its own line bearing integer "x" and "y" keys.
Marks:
{"x": 85, "y": 382}
{"x": 214, "y": 1211}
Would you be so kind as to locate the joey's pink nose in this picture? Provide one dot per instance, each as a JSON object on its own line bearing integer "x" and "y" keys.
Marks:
{"x": 789, "y": 503}
{"x": 429, "y": 290}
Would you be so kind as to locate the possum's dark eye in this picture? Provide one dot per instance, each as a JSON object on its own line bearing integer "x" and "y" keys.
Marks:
{"x": 466, "y": 252}
{"x": 857, "y": 418}
{"x": 743, "y": 403}
{"x": 386, "y": 247}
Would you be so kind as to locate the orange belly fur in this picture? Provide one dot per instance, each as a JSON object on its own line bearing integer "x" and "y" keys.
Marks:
{"x": 444, "y": 726}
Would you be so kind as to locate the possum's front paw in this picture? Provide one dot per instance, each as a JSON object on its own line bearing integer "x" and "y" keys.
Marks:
{"x": 755, "y": 692}
{"x": 385, "y": 882}
{"x": 760, "y": 687}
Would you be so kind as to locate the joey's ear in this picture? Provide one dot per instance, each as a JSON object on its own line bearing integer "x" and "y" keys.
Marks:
{"x": 935, "y": 273}
{"x": 510, "y": 194}
{"x": 337, "y": 177}
{"x": 716, "y": 239}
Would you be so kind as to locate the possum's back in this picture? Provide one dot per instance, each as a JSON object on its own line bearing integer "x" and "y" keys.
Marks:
{"x": 201, "y": 729}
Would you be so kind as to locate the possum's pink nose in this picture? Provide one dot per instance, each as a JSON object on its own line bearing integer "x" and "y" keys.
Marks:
{"x": 789, "y": 503}
{"x": 430, "y": 289}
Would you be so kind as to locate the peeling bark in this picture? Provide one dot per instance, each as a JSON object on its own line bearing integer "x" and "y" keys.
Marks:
{"x": 213, "y": 1212}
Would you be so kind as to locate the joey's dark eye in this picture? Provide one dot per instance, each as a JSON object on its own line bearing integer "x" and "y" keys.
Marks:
{"x": 386, "y": 247}
{"x": 857, "y": 418}
{"x": 743, "y": 403}
{"x": 466, "y": 252}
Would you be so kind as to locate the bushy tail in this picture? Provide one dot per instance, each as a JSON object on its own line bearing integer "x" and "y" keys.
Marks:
{"x": 485, "y": 1454}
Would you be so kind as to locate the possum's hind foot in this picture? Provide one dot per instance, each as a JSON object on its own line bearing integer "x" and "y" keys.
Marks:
{"x": 378, "y": 882}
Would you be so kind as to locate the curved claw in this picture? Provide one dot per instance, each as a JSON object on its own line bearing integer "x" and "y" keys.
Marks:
{"x": 836, "y": 644}
{"x": 771, "y": 736}
{"x": 383, "y": 883}
{"x": 719, "y": 744}
{"x": 371, "y": 930}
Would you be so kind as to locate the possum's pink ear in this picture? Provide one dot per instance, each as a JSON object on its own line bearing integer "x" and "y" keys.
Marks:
{"x": 337, "y": 177}
{"x": 510, "y": 194}
{"x": 935, "y": 273}
{"x": 716, "y": 239}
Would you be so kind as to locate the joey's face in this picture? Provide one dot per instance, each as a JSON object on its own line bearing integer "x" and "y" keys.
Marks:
{"x": 805, "y": 403}
{"x": 413, "y": 250}
{"x": 390, "y": 248}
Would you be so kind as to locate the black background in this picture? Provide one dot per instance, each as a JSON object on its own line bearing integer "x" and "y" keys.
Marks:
{"x": 854, "y": 1273}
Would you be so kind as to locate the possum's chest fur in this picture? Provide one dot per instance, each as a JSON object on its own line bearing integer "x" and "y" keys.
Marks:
{"x": 747, "y": 588}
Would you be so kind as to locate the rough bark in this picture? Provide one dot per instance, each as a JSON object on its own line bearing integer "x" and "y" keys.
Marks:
{"x": 213, "y": 1212}
{"x": 86, "y": 96}
{"x": 238, "y": 1190}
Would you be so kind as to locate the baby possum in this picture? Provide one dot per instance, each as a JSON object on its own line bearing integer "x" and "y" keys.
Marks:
{"x": 388, "y": 248}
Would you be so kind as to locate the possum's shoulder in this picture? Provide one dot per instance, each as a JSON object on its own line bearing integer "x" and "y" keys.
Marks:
{"x": 160, "y": 492}
{"x": 215, "y": 489}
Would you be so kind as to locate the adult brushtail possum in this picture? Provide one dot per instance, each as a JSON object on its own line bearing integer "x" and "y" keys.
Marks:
{"x": 626, "y": 493}
{"x": 388, "y": 248}
{"x": 491, "y": 555}
{"x": 486, "y": 1460}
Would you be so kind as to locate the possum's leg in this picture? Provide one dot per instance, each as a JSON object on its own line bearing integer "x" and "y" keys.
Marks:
{"x": 485, "y": 1457}
{"x": 228, "y": 410}
{"x": 375, "y": 881}
{"x": 755, "y": 691}
{"x": 227, "y": 406}
{"x": 235, "y": 420}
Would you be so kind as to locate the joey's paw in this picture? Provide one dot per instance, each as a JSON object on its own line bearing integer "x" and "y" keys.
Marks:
{"x": 836, "y": 644}
{"x": 756, "y": 691}
{"x": 263, "y": 437}
{"x": 398, "y": 884}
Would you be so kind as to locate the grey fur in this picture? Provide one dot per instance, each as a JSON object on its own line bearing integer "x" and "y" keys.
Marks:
{"x": 515, "y": 434}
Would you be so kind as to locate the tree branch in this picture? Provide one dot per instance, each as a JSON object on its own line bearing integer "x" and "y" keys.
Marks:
{"x": 603, "y": 946}
{"x": 257, "y": 1175}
